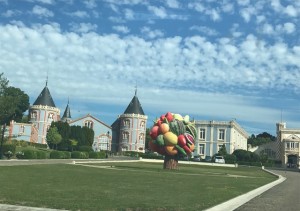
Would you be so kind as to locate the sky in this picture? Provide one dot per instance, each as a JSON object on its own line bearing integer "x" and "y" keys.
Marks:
{"x": 216, "y": 60}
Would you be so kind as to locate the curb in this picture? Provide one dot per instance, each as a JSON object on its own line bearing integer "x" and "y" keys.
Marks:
{"x": 238, "y": 201}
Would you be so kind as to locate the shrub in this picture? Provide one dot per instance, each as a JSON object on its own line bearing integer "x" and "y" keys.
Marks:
{"x": 151, "y": 156}
{"x": 230, "y": 159}
{"x": 29, "y": 154}
{"x": 8, "y": 147}
{"x": 41, "y": 155}
{"x": 67, "y": 154}
{"x": 57, "y": 155}
{"x": 97, "y": 155}
{"x": 20, "y": 155}
{"x": 131, "y": 154}
{"x": 85, "y": 149}
{"x": 79, "y": 155}
{"x": 8, "y": 154}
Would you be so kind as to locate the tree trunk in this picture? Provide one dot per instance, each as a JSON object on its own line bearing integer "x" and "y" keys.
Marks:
{"x": 170, "y": 162}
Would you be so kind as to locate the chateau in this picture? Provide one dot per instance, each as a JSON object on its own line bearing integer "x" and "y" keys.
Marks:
{"x": 127, "y": 133}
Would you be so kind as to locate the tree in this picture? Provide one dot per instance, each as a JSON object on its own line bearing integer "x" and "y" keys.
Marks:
{"x": 148, "y": 138}
{"x": 13, "y": 102}
{"x": 53, "y": 137}
{"x": 73, "y": 143}
{"x": 222, "y": 151}
{"x": 260, "y": 139}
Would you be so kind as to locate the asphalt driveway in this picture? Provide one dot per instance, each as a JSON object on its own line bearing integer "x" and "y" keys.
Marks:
{"x": 283, "y": 197}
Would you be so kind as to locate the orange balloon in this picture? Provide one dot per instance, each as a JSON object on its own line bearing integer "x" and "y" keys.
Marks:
{"x": 171, "y": 150}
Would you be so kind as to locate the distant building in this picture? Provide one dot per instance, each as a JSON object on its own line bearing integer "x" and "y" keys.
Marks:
{"x": 102, "y": 137}
{"x": 129, "y": 130}
{"x": 41, "y": 114}
{"x": 212, "y": 135}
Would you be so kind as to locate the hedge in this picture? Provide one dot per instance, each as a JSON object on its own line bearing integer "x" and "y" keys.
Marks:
{"x": 85, "y": 149}
{"x": 79, "y": 155}
{"x": 97, "y": 155}
{"x": 8, "y": 147}
{"x": 60, "y": 155}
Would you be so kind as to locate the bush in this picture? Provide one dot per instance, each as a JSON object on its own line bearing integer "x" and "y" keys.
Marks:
{"x": 41, "y": 155}
{"x": 20, "y": 155}
{"x": 85, "y": 149}
{"x": 230, "y": 159}
{"x": 131, "y": 154}
{"x": 29, "y": 154}
{"x": 97, "y": 155}
{"x": 8, "y": 147}
{"x": 67, "y": 154}
{"x": 151, "y": 156}
{"x": 79, "y": 155}
{"x": 57, "y": 155}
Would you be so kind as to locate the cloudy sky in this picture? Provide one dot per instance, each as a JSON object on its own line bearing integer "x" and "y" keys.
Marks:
{"x": 211, "y": 59}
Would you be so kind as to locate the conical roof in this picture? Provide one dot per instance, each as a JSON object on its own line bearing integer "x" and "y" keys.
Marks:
{"x": 45, "y": 98}
{"x": 134, "y": 106}
{"x": 67, "y": 113}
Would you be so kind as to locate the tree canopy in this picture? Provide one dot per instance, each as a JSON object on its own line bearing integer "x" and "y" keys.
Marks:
{"x": 260, "y": 139}
{"x": 13, "y": 102}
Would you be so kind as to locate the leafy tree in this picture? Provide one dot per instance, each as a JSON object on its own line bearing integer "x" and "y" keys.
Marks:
{"x": 88, "y": 136}
{"x": 53, "y": 137}
{"x": 260, "y": 139}
{"x": 73, "y": 143}
{"x": 13, "y": 102}
{"x": 222, "y": 151}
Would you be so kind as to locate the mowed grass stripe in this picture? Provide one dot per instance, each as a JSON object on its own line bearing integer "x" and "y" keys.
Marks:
{"x": 74, "y": 187}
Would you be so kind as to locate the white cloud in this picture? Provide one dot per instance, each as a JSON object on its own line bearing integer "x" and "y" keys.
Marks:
{"x": 289, "y": 28}
{"x": 11, "y": 13}
{"x": 147, "y": 32}
{"x": 205, "y": 30}
{"x": 291, "y": 11}
{"x": 129, "y": 14}
{"x": 42, "y": 1}
{"x": 122, "y": 29}
{"x": 83, "y": 27}
{"x": 42, "y": 11}
{"x": 90, "y": 4}
{"x": 196, "y": 6}
{"x": 247, "y": 13}
{"x": 158, "y": 11}
{"x": 243, "y": 2}
{"x": 79, "y": 14}
{"x": 173, "y": 3}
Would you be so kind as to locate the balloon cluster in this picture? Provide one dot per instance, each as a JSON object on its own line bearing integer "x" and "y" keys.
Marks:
{"x": 173, "y": 134}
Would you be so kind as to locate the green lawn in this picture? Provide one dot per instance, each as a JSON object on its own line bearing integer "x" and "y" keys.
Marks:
{"x": 125, "y": 186}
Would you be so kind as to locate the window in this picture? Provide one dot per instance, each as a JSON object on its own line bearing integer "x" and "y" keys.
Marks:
{"x": 202, "y": 133}
{"x": 201, "y": 149}
{"x": 221, "y": 134}
{"x": 125, "y": 135}
{"x": 89, "y": 124}
{"x": 142, "y": 124}
{"x": 50, "y": 117}
{"x": 126, "y": 122}
{"x": 34, "y": 115}
{"x": 22, "y": 129}
{"x": 141, "y": 138}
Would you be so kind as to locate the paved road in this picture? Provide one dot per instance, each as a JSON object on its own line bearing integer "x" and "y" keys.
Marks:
{"x": 283, "y": 197}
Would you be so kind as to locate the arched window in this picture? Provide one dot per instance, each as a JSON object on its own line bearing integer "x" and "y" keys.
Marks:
{"x": 142, "y": 124}
{"x": 50, "y": 117}
{"x": 125, "y": 135}
{"x": 22, "y": 129}
{"x": 89, "y": 124}
{"x": 126, "y": 122}
{"x": 141, "y": 138}
{"x": 33, "y": 115}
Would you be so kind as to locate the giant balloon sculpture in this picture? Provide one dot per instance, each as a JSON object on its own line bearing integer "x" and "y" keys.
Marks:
{"x": 173, "y": 135}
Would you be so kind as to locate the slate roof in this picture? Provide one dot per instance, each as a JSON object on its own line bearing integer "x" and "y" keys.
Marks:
{"x": 45, "y": 98}
{"x": 134, "y": 106}
{"x": 67, "y": 113}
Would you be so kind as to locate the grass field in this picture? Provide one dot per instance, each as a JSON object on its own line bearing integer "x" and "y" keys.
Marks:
{"x": 125, "y": 186}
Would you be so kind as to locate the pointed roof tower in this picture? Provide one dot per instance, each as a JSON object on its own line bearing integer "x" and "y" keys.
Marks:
{"x": 45, "y": 97}
{"x": 134, "y": 106}
{"x": 67, "y": 113}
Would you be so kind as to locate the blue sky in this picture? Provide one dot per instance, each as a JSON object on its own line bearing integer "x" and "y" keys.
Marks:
{"x": 211, "y": 59}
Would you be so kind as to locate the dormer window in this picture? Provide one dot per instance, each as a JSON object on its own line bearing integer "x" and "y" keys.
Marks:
{"x": 126, "y": 122}
{"x": 33, "y": 115}
{"x": 50, "y": 117}
{"x": 89, "y": 124}
{"x": 142, "y": 124}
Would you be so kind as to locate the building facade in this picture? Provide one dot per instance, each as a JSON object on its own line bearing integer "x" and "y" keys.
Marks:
{"x": 102, "y": 131}
{"x": 288, "y": 143}
{"x": 129, "y": 130}
{"x": 212, "y": 135}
